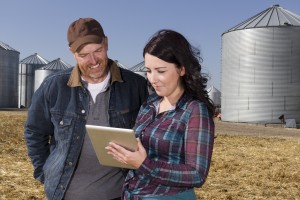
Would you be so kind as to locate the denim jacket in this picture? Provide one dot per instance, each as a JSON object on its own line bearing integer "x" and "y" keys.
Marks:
{"x": 55, "y": 127}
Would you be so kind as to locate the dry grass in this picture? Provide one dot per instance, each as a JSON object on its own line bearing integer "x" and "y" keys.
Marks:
{"x": 243, "y": 167}
{"x": 16, "y": 180}
{"x": 247, "y": 167}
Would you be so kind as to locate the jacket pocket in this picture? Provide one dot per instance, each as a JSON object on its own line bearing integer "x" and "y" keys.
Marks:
{"x": 63, "y": 127}
{"x": 126, "y": 118}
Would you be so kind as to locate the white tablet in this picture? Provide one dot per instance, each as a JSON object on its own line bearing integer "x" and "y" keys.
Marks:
{"x": 100, "y": 136}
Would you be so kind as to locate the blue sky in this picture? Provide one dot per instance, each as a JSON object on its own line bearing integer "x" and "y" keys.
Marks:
{"x": 34, "y": 26}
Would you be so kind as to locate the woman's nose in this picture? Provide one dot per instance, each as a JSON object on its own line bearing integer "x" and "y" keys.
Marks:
{"x": 152, "y": 78}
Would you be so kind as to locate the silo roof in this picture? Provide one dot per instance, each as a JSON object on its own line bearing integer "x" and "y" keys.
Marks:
{"x": 273, "y": 16}
{"x": 6, "y": 47}
{"x": 57, "y": 64}
{"x": 34, "y": 59}
{"x": 140, "y": 67}
{"x": 120, "y": 64}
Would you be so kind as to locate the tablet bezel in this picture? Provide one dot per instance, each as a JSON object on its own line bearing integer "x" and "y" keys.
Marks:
{"x": 100, "y": 136}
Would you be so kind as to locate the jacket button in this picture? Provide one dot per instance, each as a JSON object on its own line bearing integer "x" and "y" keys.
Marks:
{"x": 70, "y": 163}
{"x": 61, "y": 122}
{"x": 82, "y": 111}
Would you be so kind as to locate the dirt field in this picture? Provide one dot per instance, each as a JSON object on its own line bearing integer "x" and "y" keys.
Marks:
{"x": 258, "y": 130}
{"x": 254, "y": 162}
{"x": 249, "y": 162}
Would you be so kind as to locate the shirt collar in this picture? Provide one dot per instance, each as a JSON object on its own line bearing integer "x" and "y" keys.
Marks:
{"x": 154, "y": 99}
{"x": 75, "y": 78}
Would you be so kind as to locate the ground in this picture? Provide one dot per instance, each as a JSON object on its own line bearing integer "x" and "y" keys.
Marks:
{"x": 259, "y": 130}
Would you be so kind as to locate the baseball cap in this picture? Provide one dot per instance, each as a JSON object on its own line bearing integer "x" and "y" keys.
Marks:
{"x": 84, "y": 31}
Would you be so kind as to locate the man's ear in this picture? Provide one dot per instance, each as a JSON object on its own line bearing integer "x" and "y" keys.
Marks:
{"x": 106, "y": 42}
{"x": 72, "y": 53}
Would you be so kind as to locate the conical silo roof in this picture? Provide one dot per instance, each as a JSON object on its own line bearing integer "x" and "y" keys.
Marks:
{"x": 140, "y": 67}
{"x": 6, "y": 47}
{"x": 57, "y": 64}
{"x": 34, "y": 59}
{"x": 273, "y": 16}
{"x": 120, "y": 64}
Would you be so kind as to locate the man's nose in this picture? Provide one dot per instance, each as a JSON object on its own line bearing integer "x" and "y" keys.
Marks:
{"x": 93, "y": 59}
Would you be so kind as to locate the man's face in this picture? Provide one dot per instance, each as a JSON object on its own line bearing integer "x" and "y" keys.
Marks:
{"x": 92, "y": 61}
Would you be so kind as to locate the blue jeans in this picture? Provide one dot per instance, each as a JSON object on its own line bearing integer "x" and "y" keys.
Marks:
{"x": 189, "y": 194}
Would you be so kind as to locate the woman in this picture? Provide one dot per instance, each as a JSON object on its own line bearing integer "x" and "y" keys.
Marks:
{"x": 175, "y": 127}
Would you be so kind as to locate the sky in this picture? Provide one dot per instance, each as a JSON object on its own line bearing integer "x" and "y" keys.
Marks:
{"x": 40, "y": 26}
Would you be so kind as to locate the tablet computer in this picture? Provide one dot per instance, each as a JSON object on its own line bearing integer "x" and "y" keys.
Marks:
{"x": 100, "y": 136}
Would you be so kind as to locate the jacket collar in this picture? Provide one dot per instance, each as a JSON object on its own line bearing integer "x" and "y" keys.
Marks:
{"x": 75, "y": 78}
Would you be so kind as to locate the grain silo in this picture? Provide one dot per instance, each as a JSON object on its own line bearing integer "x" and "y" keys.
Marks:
{"x": 27, "y": 67}
{"x": 120, "y": 64}
{"x": 261, "y": 68}
{"x": 139, "y": 69}
{"x": 9, "y": 60}
{"x": 51, "y": 68}
{"x": 215, "y": 95}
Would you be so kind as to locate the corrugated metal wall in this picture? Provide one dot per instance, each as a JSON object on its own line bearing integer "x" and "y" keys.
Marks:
{"x": 261, "y": 74}
{"x": 40, "y": 75}
{"x": 26, "y": 83}
{"x": 46, "y": 70}
{"x": 9, "y": 62}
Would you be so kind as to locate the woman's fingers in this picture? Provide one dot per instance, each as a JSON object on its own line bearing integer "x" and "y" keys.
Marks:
{"x": 117, "y": 151}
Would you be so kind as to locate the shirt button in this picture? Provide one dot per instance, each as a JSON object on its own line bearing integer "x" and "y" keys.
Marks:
{"x": 82, "y": 111}
{"x": 61, "y": 123}
{"x": 77, "y": 137}
{"x": 70, "y": 163}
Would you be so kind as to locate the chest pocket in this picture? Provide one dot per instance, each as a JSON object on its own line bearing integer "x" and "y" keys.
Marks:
{"x": 125, "y": 118}
{"x": 171, "y": 130}
{"x": 166, "y": 141}
{"x": 63, "y": 127}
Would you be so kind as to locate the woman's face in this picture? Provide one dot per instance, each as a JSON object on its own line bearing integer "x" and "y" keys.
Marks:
{"x": 163, "y": 76}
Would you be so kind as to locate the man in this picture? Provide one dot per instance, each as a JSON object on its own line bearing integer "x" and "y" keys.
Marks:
{"x": 96, "y": 91}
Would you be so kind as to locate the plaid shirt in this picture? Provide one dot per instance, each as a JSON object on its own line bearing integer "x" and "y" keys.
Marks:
{"x": 179, "y": 145}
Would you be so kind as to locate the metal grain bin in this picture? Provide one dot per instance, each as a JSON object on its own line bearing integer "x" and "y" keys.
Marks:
{"x": 261, "y": 68}
{"x": 215, "y": 95}
{"x": 51, "y": 68}
{"x": 139, "y": 69}
{"x": 120, "y": 64}
{"x": 27, "y": 67}
{"x": 9, "y": 60}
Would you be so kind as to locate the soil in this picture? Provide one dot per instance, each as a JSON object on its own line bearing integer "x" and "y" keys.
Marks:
{"x": 258, "y": 130}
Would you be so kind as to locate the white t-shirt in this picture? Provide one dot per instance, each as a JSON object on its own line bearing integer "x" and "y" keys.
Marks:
{"x": 96, "y": 88}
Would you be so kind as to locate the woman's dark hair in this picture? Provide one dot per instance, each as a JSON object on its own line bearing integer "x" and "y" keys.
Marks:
{"x": 172, "y": 47}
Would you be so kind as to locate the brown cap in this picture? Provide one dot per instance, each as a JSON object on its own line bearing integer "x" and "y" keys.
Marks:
{"x": 84, "y": 31}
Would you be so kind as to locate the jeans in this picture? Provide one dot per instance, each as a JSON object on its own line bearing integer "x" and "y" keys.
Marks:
{"x": 187, "y": 195}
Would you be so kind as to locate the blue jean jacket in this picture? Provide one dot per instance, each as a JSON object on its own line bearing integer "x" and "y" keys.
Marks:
{"x": 55, "y": 127}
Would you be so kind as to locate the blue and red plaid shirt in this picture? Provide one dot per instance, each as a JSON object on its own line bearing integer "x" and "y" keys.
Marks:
{"x": 179, "y": 145}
